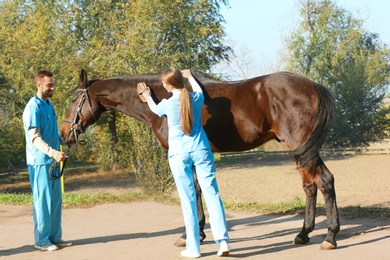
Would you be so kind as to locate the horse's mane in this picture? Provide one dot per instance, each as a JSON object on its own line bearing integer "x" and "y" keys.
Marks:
{"x": 89, "y": 83}
{"x": 203, "y": 77}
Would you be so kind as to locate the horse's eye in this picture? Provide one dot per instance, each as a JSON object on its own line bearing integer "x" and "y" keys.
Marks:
{"x": 74, "y": 99}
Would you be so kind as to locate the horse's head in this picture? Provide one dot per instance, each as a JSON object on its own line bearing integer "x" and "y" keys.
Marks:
{"x": 83, "y": 111}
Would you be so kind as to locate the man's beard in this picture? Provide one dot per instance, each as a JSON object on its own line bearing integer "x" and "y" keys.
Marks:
{"x": 48, "y": 94}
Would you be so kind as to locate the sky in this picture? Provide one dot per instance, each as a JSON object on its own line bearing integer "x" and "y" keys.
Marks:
{"x": 258, "y": 27}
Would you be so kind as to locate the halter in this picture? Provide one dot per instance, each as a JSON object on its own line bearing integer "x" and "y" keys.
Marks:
{"x": 73, "y": 131}
{"x": 78, "y": 129}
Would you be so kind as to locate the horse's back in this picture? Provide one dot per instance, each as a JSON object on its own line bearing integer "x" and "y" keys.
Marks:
{"x": 250, "y": 112}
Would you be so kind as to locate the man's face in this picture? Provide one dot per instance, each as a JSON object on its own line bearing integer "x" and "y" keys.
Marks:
{"x": 46, "y": 87}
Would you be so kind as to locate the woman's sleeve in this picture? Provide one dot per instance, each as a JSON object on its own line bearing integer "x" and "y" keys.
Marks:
{"x": 151, "y": 104}
{"x": 195, "y": 86}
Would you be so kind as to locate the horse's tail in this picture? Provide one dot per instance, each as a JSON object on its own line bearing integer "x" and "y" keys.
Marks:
{"x": 308, "y": 153}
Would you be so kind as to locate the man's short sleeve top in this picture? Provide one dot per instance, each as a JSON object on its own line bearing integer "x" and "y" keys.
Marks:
{"x": 41, "y": 114}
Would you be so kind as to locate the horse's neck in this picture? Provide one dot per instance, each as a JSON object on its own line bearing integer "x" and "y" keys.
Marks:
{"x": 123, "y": 98}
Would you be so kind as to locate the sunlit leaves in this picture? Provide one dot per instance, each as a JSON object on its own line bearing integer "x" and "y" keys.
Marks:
{"x": 332, "y": 47}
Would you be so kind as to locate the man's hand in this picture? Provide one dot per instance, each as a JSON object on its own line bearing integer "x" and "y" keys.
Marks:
{"x": 60, "y": 156}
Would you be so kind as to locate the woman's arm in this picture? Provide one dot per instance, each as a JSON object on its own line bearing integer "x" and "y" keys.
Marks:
{"x": 151, "y": 104}
{"x": 145, "y": 92}
{"x": 194, "y": 84}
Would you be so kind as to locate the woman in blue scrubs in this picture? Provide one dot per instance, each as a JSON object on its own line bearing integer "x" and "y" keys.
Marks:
{"x": 188, "y": 148}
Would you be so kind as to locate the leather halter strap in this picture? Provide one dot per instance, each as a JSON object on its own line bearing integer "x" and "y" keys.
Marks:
{"x": 74, "y": 122}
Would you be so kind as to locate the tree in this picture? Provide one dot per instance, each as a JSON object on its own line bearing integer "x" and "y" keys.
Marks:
{"x": 119, "y": 38}
{"x": 332, "y": 47}
{"x": 32, "y": 37}
{"x": 239, "y": 65}
{"x": 107, "y": 38}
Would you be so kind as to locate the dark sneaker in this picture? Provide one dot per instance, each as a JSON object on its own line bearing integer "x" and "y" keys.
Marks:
{"x": 47, "y": 247}
{"x": 63, "y": 243}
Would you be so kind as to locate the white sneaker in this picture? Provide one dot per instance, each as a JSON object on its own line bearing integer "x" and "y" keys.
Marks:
{"x": 185, "y": 253}
{"x": 47, "y": 247}
{"x": 224, "y": 248}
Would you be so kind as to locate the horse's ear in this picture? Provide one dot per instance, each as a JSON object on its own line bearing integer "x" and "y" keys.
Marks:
{"x": 83, "y": 79}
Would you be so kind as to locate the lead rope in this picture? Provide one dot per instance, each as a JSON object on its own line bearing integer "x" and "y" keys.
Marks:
{"x": 54, "y": 165}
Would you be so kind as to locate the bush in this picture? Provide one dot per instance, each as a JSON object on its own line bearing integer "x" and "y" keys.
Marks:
{"x": 152, "y": 167}
{"x": 12, "y": 144}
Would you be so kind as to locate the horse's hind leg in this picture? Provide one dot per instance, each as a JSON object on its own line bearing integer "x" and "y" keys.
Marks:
{"x": 310, "y": 188}
{"x": 325, "y": 183}
{"x": 199, "y": 204}
{"x": 181, "y": 242}
{"x": 320, "y": 177}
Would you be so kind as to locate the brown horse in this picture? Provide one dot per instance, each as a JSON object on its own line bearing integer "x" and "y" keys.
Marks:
{"x": 237, "y": 116}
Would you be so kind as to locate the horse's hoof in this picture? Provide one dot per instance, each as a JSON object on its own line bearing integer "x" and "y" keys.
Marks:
{"x": 300, "y": 241}
{"x": 202, "y": 237}
{"x": 328, "y": 246}
{"x": 181, "y": 242}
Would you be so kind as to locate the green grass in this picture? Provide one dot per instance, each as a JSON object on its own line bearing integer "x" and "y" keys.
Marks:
{"x": 353, "y": 212}
{"x": 15, "y": 199}
{"x": 15, "y": 190}
{"x": 74, "y": 200}
{"x": 295, "y": 207}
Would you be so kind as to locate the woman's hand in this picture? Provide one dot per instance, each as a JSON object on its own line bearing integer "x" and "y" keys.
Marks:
{"x": 143, "y": 91}
{"x": 186, "y": 73}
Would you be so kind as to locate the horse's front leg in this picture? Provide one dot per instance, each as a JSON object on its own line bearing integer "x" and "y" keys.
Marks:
{"x": 310, "y": 189}
{"x": 181, "y": 242}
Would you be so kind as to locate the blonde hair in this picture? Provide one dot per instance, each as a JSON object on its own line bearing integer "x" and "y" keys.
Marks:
{"x": 174, "y": 78}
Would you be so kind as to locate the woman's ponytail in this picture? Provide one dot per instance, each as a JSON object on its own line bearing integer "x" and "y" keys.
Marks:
{"x": 185, "y": 112}
{"x": 174, "y": 78}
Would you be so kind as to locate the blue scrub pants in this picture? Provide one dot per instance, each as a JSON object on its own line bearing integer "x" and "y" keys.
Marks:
{"x": 47, "y": 204}
{"x": 181, "y": 167}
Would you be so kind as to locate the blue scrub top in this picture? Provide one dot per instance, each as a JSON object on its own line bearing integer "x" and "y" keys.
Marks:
{"x": 40, "y": 113}
{"x": 178, "y": 141}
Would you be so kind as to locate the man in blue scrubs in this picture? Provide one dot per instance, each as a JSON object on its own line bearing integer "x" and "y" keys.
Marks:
{"x": 42, "y": 149}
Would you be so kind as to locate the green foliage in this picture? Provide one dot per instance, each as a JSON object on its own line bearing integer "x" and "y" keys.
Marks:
{"x": 143, "y": 154}
{"x": 12, "y": 144}
{"x": 332, "y": 47}
{"x": 107, "y": 38}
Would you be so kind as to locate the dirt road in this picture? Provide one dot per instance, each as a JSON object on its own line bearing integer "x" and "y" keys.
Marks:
{"x": 147, "y": 230}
